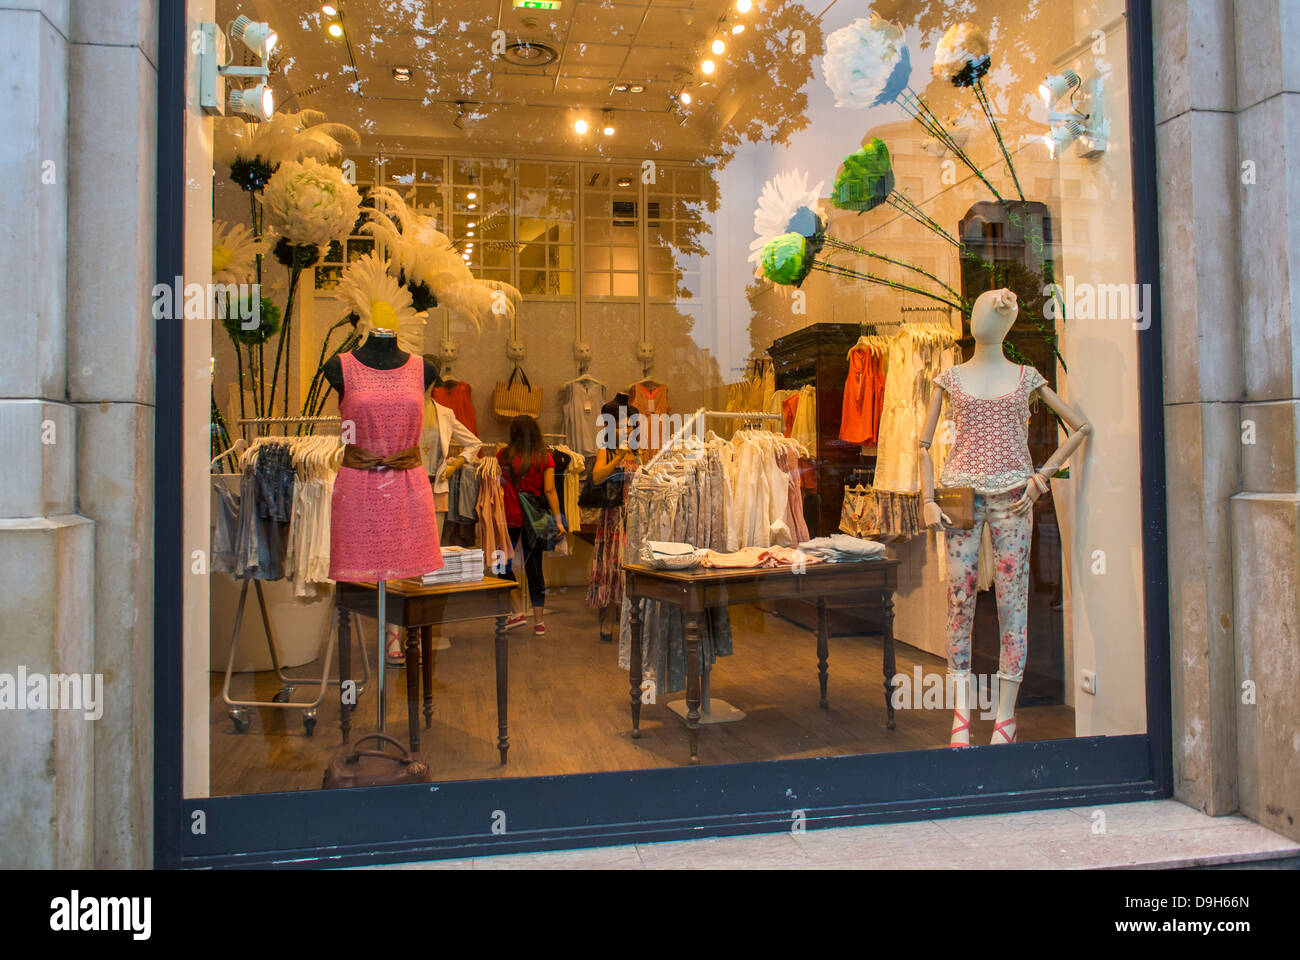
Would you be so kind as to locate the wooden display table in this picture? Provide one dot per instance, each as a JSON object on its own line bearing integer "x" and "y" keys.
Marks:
{"x": 416, "y": 609}
{"x": 701, "y": 589}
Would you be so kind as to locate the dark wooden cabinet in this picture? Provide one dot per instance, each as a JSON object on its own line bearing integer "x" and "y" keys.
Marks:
{"x": 819, "y": 355}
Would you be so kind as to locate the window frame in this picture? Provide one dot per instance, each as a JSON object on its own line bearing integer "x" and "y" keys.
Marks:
{"x": 410, "y": 823}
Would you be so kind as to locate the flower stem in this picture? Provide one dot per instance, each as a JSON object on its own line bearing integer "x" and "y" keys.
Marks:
{"x": 285, "y": 333}
{"x": 920, "y": 111}
{"x": 835, "y": 244}
{"x": 904, "y": 204}
{"x": 983, "y": 99}
{"x": 836, "y": 270}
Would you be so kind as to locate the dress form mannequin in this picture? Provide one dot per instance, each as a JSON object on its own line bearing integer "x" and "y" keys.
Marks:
{"x": 380, "y": 352}
{"x": 986, "y": 378}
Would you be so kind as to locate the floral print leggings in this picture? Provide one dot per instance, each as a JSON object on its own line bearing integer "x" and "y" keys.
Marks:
{"x": 1011, "y": 536}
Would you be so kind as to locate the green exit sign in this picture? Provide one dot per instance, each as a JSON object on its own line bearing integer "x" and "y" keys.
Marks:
{"x": 538, "y": 4}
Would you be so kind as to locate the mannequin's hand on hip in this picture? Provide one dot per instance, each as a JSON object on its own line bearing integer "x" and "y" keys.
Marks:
{"x": 1026, "y": 501}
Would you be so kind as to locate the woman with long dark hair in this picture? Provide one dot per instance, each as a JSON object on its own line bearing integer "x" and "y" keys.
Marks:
{"x": 528, "y": 468}
{"x": 612, "y": 466}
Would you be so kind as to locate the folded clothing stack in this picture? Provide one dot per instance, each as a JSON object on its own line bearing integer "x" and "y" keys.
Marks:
{"x": 842, "y": 548}
{"x": 662, "y": 555}
{"x": 461, "y": 565}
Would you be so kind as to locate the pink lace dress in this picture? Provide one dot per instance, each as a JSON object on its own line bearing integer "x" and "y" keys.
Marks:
{"x": 382, "y": 524}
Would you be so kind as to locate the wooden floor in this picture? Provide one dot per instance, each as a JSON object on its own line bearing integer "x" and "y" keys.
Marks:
{"x": 569, "y": 708}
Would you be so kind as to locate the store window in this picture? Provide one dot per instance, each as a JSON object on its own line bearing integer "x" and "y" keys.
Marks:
{"x": 869, "y": 284}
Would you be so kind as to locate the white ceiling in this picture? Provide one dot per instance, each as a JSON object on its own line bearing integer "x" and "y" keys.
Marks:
{"x": 508, "y": 108}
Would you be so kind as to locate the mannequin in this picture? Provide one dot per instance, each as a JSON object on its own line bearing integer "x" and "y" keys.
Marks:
{"x": 382, "y": 524}
{"x": 988, "y": 396}
{"x": 379, "y": 352}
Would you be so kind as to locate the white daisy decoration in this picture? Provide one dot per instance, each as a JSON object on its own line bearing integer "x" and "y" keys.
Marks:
{"x": 866, "y": 64}
{"x": 786, "y": 205}
{"x": 234, "y": 252}
{"x": 368, "y": 290}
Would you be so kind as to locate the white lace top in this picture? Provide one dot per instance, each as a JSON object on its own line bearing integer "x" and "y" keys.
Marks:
{"x": 991, "y": 436}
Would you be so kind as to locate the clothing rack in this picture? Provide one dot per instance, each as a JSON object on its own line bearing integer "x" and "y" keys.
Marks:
{"x": 268, "y": 422}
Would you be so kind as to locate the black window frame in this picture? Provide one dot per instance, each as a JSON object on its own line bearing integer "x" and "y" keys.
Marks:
{"x": 392, "y": 824}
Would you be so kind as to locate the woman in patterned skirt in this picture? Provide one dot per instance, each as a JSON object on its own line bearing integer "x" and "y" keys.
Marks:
{"x": 610, "y": 468}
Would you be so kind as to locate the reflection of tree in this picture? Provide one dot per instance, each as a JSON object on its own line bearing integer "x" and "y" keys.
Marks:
{"x": 772, "y": 76}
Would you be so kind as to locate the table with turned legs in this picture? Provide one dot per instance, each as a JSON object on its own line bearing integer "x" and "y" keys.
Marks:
{"x": 416, "y": 609}
{"x": 700, "y": 589}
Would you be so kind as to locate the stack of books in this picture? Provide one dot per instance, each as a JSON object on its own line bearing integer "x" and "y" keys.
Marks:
{"x": 461, "y": 565}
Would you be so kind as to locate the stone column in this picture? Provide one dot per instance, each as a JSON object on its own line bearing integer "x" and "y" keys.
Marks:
{"x": 1266, "y": 511}
{"x": 46, "y": 548}
{"x": 112, "y": 211}
{"x": 1200, "y": 302}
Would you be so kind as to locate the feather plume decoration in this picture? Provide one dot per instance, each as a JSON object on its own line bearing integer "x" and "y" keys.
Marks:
{"x": 285, "y": 137}
{"x": 422, "y": 254}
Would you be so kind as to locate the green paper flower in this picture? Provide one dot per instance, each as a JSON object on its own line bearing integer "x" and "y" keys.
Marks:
{"x": 865, "y": 180}
{"x": 268, "y": 324}
{"x": 786, "y": 260}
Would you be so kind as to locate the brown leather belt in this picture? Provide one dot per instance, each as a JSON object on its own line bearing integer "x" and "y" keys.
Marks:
{"x": 358, "y": 459}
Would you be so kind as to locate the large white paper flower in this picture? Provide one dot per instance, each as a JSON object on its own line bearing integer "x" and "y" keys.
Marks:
{"x": 286, "y": 136}
{"x": 962, "y": 56}
{"x": 369, "y": 290}
{"x": 866, "y": 63}
{"x": 423, "y": 254}
{"x": 786, "y": 205}
{"x": 234, "y": 252}
{"x": 311, "y": 203}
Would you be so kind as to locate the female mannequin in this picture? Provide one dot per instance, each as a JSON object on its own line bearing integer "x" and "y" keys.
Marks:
{"x": 989, "y": 403}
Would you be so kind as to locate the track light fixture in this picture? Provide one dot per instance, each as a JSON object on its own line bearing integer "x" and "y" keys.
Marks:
{"x": 257, "y": 103}
{"x": 258, "y": 37}
{"x": 1057, "y": 85}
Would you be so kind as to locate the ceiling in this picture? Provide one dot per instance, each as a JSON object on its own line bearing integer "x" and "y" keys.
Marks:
{"x": 465, "y": 96}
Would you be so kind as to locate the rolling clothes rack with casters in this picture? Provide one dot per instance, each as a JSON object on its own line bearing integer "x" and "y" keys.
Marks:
{"x": 240, "y": 714}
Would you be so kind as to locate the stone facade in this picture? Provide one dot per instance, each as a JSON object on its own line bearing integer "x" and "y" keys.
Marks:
{"x": 76, "y": 521}
{"x": 77, "y": 263}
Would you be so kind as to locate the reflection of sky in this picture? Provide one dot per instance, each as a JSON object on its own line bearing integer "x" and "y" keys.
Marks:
{"x": 833, "y": 133}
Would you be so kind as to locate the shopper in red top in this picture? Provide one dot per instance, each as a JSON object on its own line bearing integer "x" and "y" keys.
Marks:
{"x": 528, "y": 467}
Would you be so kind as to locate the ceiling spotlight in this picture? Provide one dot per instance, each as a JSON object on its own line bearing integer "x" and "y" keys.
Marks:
{"x": 256, "y": 103}
{"x": 685, "y": 97}
{"x": 1058, "y": 85}
{"x": 471, "y": 195}
{"x": 402, "y": 74}
{"x": 329, "y": 10}
{"x": 744, "y": 6}
{"x": 472, "y": 206}
{"x": 609, "y": 123}
{"x": 624, "y": 182}
{"x": 636, "y": 88}
{"x": 580, "y": 127}
{"x": 472, "y": 225}
{"x": 622, "y": 88}
{"x": 718, "y": 47}
{"x": 738, "y": 28}
{"x": 258, "y": 37}
{"x": 707, "y": 66}
{"x": 336, "y": 30}
{"x": 470, "y": 234}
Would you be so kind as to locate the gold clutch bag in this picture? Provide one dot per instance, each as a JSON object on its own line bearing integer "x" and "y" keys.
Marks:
{"x": 958, "y": 504}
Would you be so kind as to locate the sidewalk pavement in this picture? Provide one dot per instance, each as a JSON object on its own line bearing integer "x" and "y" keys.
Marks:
{"x": 1158, "y": 834}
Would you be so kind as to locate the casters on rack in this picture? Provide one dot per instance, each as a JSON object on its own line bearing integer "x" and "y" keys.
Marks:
{"x": 242, "y": 720}
{"x": 309, "y": 722}
{"x": 284, "y": 696}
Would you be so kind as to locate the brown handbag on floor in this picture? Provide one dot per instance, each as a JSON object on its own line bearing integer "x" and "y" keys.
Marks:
{"x": 958, "y": 505}
{"x": 375, "y": 768}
